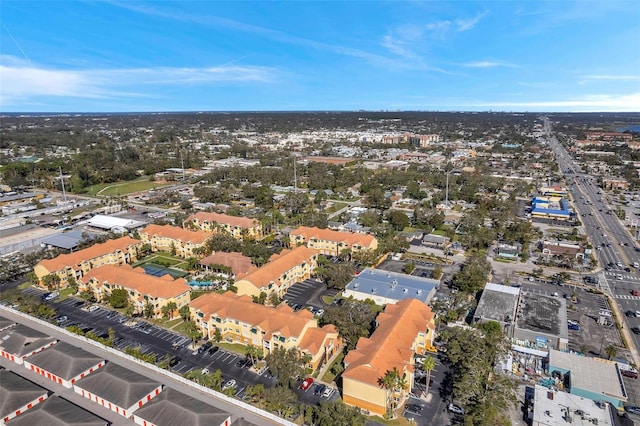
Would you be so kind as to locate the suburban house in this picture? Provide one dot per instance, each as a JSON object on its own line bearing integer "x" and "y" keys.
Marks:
{"x": 559, "y": 249}
{"x": 240, "y": 320}
{"x": 142, "y": 288}
{"x": 330, "y": 242}
{"x": 237, "y": 227}
{"x": 120, "y": 251}
{"x": 173, "y": 239}
{"x": 281, "y": 272}
{"x": 402, "y": 331}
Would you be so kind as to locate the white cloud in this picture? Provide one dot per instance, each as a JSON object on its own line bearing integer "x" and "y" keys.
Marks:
{"x": 467, "y": 24}
{"x": 488, "y": 64}
{"x": 613, "y": 77}
{"x": 20, "y": 80}
{"x": 587, "y": 103}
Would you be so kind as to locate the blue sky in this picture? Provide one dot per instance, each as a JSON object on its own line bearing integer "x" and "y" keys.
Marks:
{"x": 97, "y": 56}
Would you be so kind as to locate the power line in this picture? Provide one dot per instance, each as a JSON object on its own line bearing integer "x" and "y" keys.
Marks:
{"x": 16, "y": 43}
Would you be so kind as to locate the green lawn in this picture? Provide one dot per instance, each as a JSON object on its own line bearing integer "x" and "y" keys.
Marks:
{"x": 123, "y": 188}
{"x": 66, "y": 293}
{"x": 160, "y": 258}
{"x": 335, "y": 207}
{"x": 233, "y": 347}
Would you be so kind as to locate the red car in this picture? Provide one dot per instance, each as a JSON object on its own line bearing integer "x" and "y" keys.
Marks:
{"x": 306, "y": 384}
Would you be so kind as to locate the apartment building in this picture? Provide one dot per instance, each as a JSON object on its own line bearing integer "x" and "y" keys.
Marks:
{"x": 173, "y": 239}
{"x": 402, "y": 330}
{"x": 240, "y": 320}
{"x": 120, "y": 251}
{"x": 237, "y": 227}
{"x": 332, "y": 243}
{"x": 281, "y": 272}
{"x": 142, "y": 288}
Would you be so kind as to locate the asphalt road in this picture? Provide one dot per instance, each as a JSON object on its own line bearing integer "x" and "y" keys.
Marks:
{"x": 615, "y": 248}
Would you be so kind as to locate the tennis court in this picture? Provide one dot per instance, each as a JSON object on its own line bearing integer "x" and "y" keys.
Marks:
{"x": 159, "y": 271}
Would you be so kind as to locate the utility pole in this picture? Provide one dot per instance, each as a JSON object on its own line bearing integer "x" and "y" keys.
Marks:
{"x": 64, "y": 193}
{"x": 182, "y": 164}
{"x": 295, "y": 175}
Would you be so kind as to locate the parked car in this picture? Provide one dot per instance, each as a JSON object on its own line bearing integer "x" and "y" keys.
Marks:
{"x": 213, "y": 350}
{"x": 328, "y": 392}
{"x": 319, "y": 389}
{"x": 174, "y": 361}
{"x": 455, "y": 409}
{"x": 635, "y": 330}
{"x": 306, "y": 383}
{"x": 413, "y": 408}
{"x": 633, "y": 410}
{"x": 229, "y": 384}
{"x": 62, "y": 319}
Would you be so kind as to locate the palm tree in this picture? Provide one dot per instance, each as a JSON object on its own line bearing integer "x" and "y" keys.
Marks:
{"x": 611, "y": 351}
{"x": 392, "y": 381}
{"x": 428, "y": 365}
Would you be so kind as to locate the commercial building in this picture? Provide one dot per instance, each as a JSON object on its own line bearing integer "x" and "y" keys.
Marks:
{"x": 64, "y": 363}
{"x": 535, "y": 323}
{"x": 332, "y": 243}
{"x": 238, "y": 227}
{"x": 118, "y": 389}
{"x": 57, "y": 411}
{"x": 498, "y": 303}
{"x": 550, "y": 208}
{"x": 384, "y": 287}
{"x": 171, "y": 407}
{"x": 402, "y": 330}
{"x": 178, "y": 241}
{"x": 114, "y": 223}
{"x": 18, "y": 395}
{"x": 239, "y": 320}
{"x": 120, "y": 251}
{"x": 552, "y": 408}
{"x": 141, "y": 288}
{"x": 19, "y": 342}
{"x": 596, "y": 379}
{"x": 281, "y": 272}
{"x": 13, "y": 198}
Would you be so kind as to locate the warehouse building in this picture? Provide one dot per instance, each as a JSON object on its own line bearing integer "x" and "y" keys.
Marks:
{"x": 57, "y": 411}
{"x": 17, "y": 395}
{"x": 175, "y": 408}
{"x": 19, "y": 341}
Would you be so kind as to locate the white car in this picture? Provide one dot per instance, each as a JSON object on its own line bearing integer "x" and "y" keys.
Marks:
{"x": 230, "y": 384}
{"x": 328, "y": 392}
{"x": 455, "y": 409}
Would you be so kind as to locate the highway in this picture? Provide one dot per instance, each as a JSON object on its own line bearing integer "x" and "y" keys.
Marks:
{"x": 614, "y": 247}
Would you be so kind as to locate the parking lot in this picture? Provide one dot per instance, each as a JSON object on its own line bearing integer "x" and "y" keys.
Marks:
{"x": 156, "y": 340}
{"x": 308, "y": 293}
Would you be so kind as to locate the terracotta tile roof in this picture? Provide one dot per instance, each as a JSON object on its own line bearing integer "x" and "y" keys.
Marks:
{"x": 239, "y": 263}
{"x": 350, "y": 238}
{"x": 279, "y": 264}
{"x": 271, "y": 320}
{"x": 390, "y": 344}
{"x": 176, "y": 233}
{"x": 97, "y": 250}
{"x": 164, "y": 287}
{"x": 225, "y": 219}
{"x": 314, "y": 339}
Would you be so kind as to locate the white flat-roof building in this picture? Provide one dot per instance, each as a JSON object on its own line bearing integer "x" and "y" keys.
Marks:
{"x": 384, "y": 287}
{"x": 553, "y": 408}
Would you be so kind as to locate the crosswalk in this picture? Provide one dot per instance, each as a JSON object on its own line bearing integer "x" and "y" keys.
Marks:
{"x": 614, "y": 275}
{"x": 627, "y": 297}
